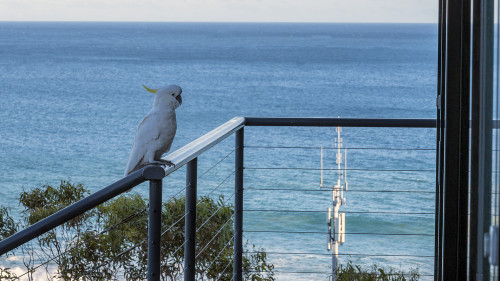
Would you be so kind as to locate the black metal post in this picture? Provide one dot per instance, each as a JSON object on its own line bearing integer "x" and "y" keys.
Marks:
{"x": 455, "y": 141}
{"x": 154, "y": 230}
{"x": 481, "y": 136}
{"x": 440, "y": 104}
{"x": 238, "y": 207}
{"x": 190, "y": 223}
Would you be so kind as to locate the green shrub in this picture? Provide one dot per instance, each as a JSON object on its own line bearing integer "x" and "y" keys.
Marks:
{"x": 109, "y": 240}
{"x": 350, "y": 272}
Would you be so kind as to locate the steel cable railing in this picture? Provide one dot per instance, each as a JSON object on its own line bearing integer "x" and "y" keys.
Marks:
{"x": 141, "y": 242}
{"x": 179, "y": 247}
{"x": 208, "y": 244}
{"x": 220, "y": 252}
{"x": 215, "y": 212}
{"x": 346, "y": 212}
{"x": 349, "y": 233}
{"x": 281, "y": 193}
{"x": 220, "y": 184}
{"x": 213, "y": 238}
{"x": 330, "y": 190}
{"x": 327, "y": 169}
{"x": 77, "y": 243}
{"x": 224, "y": 271}
{"x": 341, "y": 254}
{"x": 143, "y": 211}
{"x": 347, "y": 148}
{"x": 200, "y": 202}
{"x": 216, "y": 164}
{"x": 170, "y": 227}
{"x": 286, "y": 213}
{"x": 365, "y": 273}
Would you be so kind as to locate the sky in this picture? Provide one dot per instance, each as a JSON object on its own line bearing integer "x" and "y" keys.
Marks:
{"x": 407, "y": 11}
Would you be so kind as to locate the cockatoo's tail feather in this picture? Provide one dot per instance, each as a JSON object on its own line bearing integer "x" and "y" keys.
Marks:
{"x": 153, "y": 91}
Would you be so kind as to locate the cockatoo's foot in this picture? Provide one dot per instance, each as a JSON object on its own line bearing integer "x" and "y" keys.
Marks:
{"x": 163, "y": 162}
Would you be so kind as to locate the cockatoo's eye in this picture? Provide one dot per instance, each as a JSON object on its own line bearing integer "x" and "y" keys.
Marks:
{"x": 173, "y": 95}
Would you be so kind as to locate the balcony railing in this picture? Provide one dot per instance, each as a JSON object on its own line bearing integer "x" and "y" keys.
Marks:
{"x": 289, "y": 194}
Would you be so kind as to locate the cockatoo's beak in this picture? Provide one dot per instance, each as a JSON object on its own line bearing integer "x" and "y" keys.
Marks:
{"x": 179, "y": 99}
{"x": 150, "y": 90}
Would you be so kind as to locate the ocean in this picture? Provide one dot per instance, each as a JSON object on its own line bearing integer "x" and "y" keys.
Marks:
{"x": 71, "y": 97}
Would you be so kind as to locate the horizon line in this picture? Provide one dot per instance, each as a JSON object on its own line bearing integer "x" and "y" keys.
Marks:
{"x": 265, "y": 22}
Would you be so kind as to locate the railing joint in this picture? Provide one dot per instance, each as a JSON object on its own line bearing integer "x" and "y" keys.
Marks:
{"x": 153, "y": 172}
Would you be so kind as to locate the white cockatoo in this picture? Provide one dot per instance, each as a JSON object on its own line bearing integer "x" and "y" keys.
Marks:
{"x": 156, "y": 132}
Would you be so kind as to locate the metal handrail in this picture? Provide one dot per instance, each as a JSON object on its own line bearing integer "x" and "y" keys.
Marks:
{"x": 188, "y": 154}
{"x": 195, "y": 148}
{"x": 80, "y": 207}
{"x": 179, "y": 158}
{"x": 340, "y": 122}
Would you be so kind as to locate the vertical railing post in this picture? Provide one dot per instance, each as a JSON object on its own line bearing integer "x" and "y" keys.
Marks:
{"x": 238, "y": 207}
{"x": 190, "y": 222}
{"x": 455, "y": 134}
{"x": 154, "y": 230}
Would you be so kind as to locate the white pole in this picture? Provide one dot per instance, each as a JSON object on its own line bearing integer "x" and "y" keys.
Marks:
{"x": 335, "y": 244}
{"x": 321, "y": 180}
{"x": 337, "y": 201}
{"x": 336, "y": 223}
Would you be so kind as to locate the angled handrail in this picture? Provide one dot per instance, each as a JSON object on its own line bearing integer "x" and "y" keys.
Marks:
{"x": 195, "y": 148}
{"x": 79, "y": 207}
{"x": 179, "y": 158}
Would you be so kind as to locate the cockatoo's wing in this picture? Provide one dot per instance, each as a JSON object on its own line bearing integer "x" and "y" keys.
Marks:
{"x": 147, "y": 132}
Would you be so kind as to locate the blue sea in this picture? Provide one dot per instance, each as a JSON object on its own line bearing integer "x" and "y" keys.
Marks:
{"x": 71, "y": 97}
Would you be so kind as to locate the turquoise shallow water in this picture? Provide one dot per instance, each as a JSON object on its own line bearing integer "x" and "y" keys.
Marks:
{"x": 71, "y": 98}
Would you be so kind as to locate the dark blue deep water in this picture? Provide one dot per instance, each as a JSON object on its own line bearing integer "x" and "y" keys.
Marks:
{"x": 71, "y": 97}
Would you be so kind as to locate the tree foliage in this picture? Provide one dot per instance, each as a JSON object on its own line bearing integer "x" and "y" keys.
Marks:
{"x": 7, "y": 224}
{"x": 350, "y": 272}
{"x": 109, "y": 242}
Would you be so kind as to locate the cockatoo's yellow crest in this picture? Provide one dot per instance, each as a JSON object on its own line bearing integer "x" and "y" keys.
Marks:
{"x": 150, "y": 90}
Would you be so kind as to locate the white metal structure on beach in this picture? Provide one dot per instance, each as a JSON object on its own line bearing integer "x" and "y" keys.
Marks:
{"x": 336, "y": 219}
